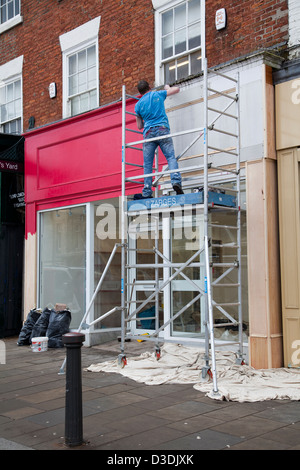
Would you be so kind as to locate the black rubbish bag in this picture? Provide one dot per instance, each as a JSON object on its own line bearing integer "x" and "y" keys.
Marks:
{"x": 59, "y": 324}
{"x": 25, "y": 333}
{"x": 41, "y": 325}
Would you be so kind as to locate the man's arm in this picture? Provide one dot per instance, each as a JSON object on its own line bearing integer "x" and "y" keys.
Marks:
{"x": 139, "y": 122}
{"x": 172, "y": 90}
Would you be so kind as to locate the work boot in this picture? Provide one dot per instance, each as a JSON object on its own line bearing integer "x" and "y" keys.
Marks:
{"x": 177, "y": 187}
{"x": 140, "y": 196}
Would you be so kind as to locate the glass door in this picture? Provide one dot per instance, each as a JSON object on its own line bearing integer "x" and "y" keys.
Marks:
{"x": 145, "y": 234}
{"x": 187, "y": 289}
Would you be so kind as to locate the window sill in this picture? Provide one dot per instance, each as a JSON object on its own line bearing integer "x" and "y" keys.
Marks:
{"x": 184, "y": 80}
{"x": 11, "y": 23}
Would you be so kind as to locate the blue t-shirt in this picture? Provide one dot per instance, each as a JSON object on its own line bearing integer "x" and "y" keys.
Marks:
{"x": 151, "y": 109}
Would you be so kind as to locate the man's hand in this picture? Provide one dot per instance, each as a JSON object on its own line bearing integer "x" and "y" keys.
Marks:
{"x": 172, "y": 90}
{"x": 139, "y": 122}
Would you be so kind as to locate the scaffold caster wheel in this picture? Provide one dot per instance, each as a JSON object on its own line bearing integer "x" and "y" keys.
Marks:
{"x": 157, "y": 353}
{"x": 206, "y": 375}
{"x": 240, "y": 361}
{"x": 122, "y": 361}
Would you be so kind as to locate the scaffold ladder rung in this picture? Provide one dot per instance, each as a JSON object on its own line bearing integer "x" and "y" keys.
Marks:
{"x": 133, "y": 130}
{"x": 140, "y": 318}
{"x": 134, "y": 164}
{"x": 222, "y": 93}
{"x": 224, "y": 113}
{"x": 225, "y": 245}
{"x": 175, "y": 134}
{"x": 225, "y": 285}
{"x": 219, "y": 150}
{"x": 216, "y": 72}
{"x": 230, "y": 227}
{"x": 225, "y": 324}
{"x": 224, "y": 265}
{"x": 227, "y": 170}
{"x": 222, "y": 188}
{"x": 221, "y": 131}
{"x": 227, "y": 304}
{"x": 134, "y": 148}
{"x": 132, "y": 97}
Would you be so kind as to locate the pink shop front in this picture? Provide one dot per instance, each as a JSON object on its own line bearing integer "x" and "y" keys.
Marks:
{"x": 72, "y": 178}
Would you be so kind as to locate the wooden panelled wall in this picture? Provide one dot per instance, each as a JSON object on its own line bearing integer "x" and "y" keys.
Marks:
{"x": 289, "y": 226}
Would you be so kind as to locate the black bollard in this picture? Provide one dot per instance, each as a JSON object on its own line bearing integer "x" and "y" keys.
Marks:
{"x": 73, "y": 410}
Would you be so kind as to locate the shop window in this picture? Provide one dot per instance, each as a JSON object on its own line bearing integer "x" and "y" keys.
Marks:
{"x": 62, "y": 260}
{"x": 106, "y": 235}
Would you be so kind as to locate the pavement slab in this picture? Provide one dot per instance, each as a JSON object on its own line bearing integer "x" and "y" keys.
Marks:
{"x": 121, "y": 415}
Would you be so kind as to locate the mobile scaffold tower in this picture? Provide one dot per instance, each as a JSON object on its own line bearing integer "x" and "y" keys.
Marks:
{"x": 211, "y": 198}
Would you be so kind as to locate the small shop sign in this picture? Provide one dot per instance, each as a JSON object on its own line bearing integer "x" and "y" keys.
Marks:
{"x": 14, "y": 167}
{"x": 18, "y": 199}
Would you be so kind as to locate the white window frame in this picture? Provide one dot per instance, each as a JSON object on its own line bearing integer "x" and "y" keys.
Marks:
{"x": 66, "y": 70}
{"x": 10, "y": 23}
{"x": 161, "y": 6}
{"x": 10, "y": 73}
{"x": 72, "y": 42}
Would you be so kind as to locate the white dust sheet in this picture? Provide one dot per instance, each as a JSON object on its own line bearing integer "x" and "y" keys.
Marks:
{"x": 183, "y": 365}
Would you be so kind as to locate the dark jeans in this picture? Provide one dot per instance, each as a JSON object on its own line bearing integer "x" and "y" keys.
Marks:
{"x": 167, "y": 149}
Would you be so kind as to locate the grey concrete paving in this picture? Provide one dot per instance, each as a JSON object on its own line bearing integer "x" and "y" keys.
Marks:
{"x": 10, "y": 445}
{"x": 122, "y": 415}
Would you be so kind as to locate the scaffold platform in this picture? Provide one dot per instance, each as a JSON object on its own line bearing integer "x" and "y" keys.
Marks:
{"x": 215, "y": 198}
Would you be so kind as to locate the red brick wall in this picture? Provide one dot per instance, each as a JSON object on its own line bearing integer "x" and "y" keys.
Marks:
{"x": 126, "y": 43}
{"x": 126, "y": 49}
{"x": 252, "y": 25}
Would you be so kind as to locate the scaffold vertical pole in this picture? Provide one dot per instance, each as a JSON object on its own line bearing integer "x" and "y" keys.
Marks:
{"x": 239, "y": 237}
{"x": 208, "y": 294}
{"x": 210, "y": 318}
{"x": 122, "y": 357}
{"x": 156, "y": 228}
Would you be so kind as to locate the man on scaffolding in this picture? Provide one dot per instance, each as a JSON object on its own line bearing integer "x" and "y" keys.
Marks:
{"x": 152, "y": 118}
